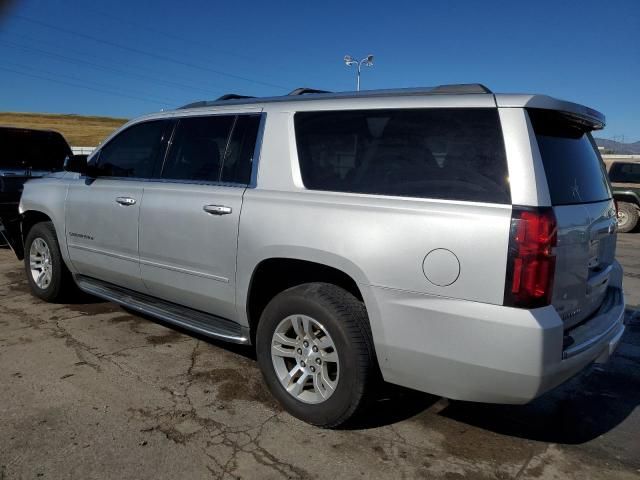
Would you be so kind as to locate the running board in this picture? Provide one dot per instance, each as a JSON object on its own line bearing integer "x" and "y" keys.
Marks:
{"x": 187, "y": 318}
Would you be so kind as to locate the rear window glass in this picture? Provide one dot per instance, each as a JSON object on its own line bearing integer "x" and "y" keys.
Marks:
{"x": 34, "y": 149}
{"x": 574, "y": 169}
{"x": 625, "y": 172}
{"x": 453, "y": 154}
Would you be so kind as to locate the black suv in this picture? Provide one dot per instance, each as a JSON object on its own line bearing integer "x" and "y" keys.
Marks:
{"x": 625, "y": 183}
{"x": 26, "y": 153}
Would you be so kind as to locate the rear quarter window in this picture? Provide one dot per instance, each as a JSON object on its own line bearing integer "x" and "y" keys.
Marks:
{"x": 455, "y": 154}
{"x": 574, "y": 169}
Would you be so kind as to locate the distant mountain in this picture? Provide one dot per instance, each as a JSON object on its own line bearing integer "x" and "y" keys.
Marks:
{"x": 619, "y": 147}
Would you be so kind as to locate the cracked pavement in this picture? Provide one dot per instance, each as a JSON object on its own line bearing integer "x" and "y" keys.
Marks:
{"x": 89, "y": 390}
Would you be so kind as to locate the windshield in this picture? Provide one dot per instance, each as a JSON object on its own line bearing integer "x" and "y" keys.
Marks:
{"x": 574, "y": 169}
{"x": 34, "y": 149}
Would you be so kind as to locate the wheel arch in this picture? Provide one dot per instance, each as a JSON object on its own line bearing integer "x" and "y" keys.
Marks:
{"x": 627, "y": 197}
{"x": 273, "y": 275}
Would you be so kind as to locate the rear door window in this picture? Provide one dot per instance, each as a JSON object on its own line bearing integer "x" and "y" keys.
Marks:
{"x": 455, "y": 154}
{"x": 198, "y": 148}
{"x": 239, "y": 159}
{"x": 574, "y": 169}
{"x": 625, "y": 172}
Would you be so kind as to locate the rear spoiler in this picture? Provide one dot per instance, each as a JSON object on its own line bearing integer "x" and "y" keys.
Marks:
{"x": 590, "y": 118}
{"x": 11, "y": 231}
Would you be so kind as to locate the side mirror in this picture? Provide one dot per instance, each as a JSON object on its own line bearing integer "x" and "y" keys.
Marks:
{"x": 76, "y": 163}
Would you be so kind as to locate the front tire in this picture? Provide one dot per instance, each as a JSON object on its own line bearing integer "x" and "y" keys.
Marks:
{"x": 316, "y": 354}
{"x": 627, "y": 217}
{"x": 47, "y": 274}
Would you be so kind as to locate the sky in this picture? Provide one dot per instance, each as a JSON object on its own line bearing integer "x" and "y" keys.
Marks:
{"x": 127, "y": 57}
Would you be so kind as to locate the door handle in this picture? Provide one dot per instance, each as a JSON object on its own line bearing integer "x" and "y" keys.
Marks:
{"x": 126, "y": 201}
{"x": 217, "y": 209}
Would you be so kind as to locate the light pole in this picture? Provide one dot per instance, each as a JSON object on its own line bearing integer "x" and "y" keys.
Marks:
{"x": 368, "y": 61}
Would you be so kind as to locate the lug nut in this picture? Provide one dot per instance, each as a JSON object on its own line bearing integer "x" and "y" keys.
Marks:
{"x": 315, "y": 349}
{"x": 318, "y": 361}
{"x": 305, "y": 343}
{"x": 313, "y": 369}
{"x": 303, "y": 364}
{"x": 299, "y": 351}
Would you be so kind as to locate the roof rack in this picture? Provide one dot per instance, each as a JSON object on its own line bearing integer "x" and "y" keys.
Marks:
{"x": 204, "y": 103}
{"x": 232, "y": 96}
{"x": 304, "y": 91}
{"x": 461, "y": 88}
{"x": 301, "y": 93}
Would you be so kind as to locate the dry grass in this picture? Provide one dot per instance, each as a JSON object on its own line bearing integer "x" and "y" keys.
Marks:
{"x": 78, "y": 130}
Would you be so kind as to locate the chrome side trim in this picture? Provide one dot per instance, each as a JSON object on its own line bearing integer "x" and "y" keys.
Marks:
{"x": 184, "y": 270}
{"x": 187, "y": 318}
{"x": 103, "y": 252}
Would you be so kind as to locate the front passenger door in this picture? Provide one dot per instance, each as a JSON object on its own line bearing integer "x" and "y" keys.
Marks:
{"x": 102, "y": 213}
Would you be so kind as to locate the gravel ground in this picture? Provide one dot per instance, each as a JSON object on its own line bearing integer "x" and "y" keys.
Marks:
{"x": 89, "y": 390}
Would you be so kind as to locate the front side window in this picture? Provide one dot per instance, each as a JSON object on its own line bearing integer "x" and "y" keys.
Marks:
{"x": 625, "y": 172}
{"x": 133, "y": 152}
{"x": 198, "y": 148}
{"x": 442, "y": 153}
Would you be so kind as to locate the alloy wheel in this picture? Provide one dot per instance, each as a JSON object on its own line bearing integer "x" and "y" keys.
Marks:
{"x": 305, "y": 359}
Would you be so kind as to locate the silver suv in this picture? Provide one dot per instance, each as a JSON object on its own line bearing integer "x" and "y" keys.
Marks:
{"x": 446, "y": 239}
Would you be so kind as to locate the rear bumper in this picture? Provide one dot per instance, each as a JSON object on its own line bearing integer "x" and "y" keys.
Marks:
{"x": 486, "y": 353}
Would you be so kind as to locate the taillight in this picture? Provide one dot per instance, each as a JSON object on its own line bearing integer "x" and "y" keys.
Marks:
{"x": 531, "y": 262}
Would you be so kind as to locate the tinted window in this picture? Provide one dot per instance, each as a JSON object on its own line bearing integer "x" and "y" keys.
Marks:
{"x": 625, "y": 172}
{"x": 198, "y": 148}
{"x": 574, "y": 170}
{"x": 239, "y": 158}
{"x": 453, "y": 154}
{"x": 133, "y": 152}
{"x": 35, "y": 149}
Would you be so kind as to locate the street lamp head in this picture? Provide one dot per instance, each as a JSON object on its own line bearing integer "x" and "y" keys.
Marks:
{"x": 348, "y": 59}
{"x": 369, "y": 60}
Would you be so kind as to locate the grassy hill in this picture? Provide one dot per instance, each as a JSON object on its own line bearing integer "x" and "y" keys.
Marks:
{"x": 77, "y": 129}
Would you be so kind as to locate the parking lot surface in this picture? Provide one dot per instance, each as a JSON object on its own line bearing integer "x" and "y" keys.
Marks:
{"x": 89, "y": 390}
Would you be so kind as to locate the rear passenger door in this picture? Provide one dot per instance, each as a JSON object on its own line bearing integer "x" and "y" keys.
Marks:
{"x": 190, "y": 214}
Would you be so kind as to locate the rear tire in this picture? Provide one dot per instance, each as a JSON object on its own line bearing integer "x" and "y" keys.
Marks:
{"x": 48, "y": 276}
{"x": 627, "y": 217}
{"x": 320, "y": 332}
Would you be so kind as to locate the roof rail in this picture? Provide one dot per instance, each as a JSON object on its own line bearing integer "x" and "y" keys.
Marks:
{"x": 304, "y": 91}
{"x": 461, "y": 88}
{"x": 204, "y": 103}
{"x": 232, "y": 96}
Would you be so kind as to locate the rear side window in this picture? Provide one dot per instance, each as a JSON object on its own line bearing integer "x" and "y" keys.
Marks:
{"x": 573, "y": 167}
{"x": 197, "y": 148}
{"x": 455, "y": 154}
{"x": 134, "y": 151}
{"x": 625, "y": 172}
